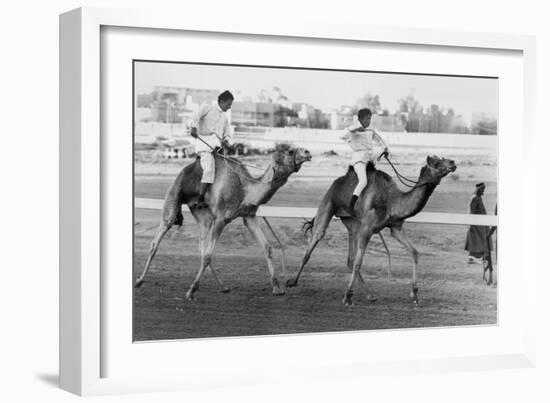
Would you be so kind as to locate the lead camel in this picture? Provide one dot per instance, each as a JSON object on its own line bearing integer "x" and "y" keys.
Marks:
{"x": 380, "y": 205}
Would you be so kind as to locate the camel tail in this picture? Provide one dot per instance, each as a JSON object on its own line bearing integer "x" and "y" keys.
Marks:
{"x": 308, "y": 226}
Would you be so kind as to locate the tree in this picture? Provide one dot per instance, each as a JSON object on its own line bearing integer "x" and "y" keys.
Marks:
{"x": 370, "y": 101}
{"x": 318, "y": 120}
{"x": 282, "y": 116}
{"x": 409, "y": 104}
{"x": 410, "y": 111}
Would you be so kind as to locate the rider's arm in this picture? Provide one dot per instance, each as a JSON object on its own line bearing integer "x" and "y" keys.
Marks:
{"x": 378, "y": 138}
{"x": 226, "y": 135}
{"x": 350, "y": 131}
{"x": 347, "y": 135}
{"x": 197, "y": 116}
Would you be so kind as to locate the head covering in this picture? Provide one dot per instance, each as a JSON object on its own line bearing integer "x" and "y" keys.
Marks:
{"x": 480, "y": 184}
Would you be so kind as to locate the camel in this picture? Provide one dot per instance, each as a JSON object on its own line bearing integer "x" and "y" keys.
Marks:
{"x": 234, "y": 193}
{"x": 380, "y": 205}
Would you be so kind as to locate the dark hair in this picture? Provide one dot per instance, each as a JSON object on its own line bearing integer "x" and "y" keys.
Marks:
{"x": 363, "y": 113}
{"x": 225, "y": 96}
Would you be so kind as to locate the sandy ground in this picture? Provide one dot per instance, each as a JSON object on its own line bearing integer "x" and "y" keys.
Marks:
{"x": 451, "y": 291}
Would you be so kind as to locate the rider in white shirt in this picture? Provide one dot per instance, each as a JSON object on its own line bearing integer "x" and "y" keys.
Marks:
{"x": 210, "y": 127}
{"x": 361, "y": 140}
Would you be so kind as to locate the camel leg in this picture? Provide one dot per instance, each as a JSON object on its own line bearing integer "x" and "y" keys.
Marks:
{"x": 223, "y": 288}
{"x": 388, "y": 252}
{"x": 203, "y": 232}
{"x": 360, "y": 248}
{"x": 348, "y": 223}
{"x": 163, "y": 229}
{"x": 253, "y": 225}
{"x": 322, "y": 220}
{"x": 399, "y": 234}
{"x": 212, "y": 235}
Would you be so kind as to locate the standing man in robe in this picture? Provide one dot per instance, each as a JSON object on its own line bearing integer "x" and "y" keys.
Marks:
{"x": 476, "y": 238}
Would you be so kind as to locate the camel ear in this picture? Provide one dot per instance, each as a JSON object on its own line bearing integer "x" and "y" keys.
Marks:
{"x": 268, "y": 178}
{"x": 276, "y": 158}
{"x": 429, "y": 160}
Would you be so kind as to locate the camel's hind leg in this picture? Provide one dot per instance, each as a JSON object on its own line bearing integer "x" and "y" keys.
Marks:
{"x": 202, "y": 237}
{"x": 388, "y": 252}
{"x": 399, "y": 234}
{"x": 320, "y": 224}
{"x": 348, "y": 223}
{"x": 205, "y": 218}
{"x": 163, "y": 229}
{"x": 360, "y": 248}
{"x": 171, "y": 214}
{"x": 209, "y": 243}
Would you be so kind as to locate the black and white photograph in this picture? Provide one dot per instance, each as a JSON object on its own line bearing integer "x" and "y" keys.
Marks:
{"x": 272, "y": 200}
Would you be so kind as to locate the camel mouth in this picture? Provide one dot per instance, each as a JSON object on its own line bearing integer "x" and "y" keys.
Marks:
{"x": 305, "y": 156}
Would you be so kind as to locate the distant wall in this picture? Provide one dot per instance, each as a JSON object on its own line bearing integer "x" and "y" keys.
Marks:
{"x": 318, "y": 140}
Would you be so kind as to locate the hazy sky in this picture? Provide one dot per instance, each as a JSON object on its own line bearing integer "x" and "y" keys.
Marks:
{"x": 326, "y": 90}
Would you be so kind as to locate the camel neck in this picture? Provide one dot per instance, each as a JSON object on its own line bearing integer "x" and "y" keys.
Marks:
{"x": 261, "y": 191}
{"x": 411, "y": 202}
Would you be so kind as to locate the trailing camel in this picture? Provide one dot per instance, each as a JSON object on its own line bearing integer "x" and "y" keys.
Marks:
{"x": 380, "y": 205}
{"x": 234, "y": 193}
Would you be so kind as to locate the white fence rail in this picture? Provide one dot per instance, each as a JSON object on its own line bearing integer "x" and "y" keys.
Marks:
{"x": 309, "y": 212}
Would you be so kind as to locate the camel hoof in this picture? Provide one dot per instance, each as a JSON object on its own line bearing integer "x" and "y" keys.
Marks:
{"x": 225, "y": 290}
{"x": 139, "y": 283}
{"x": 371, "y": 298}
{"x": 190, "y": 295}
{"x": 291, "y": 283}
{"x": 347, "y": 301}
{"x": 279, "y": 292}
{"x": 414, "y": 295}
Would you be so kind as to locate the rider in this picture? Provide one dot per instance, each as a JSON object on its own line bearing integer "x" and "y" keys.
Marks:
{"x": 210, "y": 128}
{"x": 361, "y": 139}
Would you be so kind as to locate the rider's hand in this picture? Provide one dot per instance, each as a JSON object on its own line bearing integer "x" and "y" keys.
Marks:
{"x": 386, "y": 151}
{"x": 225, "y": 143}
{"x": 193, "y": 132}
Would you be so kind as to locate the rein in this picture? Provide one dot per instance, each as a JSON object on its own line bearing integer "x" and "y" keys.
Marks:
{"x": 226, "y": 159}
{"x": 401, "y": 178}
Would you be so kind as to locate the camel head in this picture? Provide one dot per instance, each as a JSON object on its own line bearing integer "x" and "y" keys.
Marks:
{"x": 437, "y": 168}
{"x": 289, "y": 159}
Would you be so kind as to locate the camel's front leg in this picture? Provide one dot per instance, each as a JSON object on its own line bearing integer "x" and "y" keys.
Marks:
{"x": 253, "y": 224}
{"x": 209, "y": 243}
{"x": 399, "y": 234}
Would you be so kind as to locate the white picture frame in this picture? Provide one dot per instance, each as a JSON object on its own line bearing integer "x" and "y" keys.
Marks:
{"x": 81, "y": 299}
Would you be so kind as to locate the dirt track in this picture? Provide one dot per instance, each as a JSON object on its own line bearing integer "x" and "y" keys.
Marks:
{"x": 451, "y": 291}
